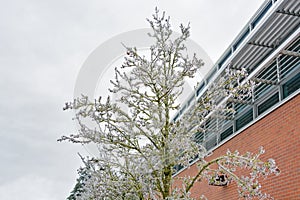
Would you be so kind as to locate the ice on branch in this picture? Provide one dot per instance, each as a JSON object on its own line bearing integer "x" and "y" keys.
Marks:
{"x": 139, "y": 143}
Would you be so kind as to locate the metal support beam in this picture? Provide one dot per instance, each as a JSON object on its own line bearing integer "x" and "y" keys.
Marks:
{"x": 288, "y": 13}
{"x": 261, "y": 45}
{"x": 239, "y": 101}
{"x": 290, "y": 53}
{"x": 259, "y": 80}
{"x": 219, "y": 116}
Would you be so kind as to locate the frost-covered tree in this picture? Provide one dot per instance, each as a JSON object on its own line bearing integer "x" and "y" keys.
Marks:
{"x": 139, "y": 143}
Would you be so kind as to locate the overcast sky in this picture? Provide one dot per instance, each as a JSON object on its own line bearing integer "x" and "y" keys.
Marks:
{"x": 43, "y": 44}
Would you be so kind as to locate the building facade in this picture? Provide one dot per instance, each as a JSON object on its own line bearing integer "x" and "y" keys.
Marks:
{"x": 268, "y": 47}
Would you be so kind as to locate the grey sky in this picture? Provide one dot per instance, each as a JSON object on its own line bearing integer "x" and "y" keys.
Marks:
{"x": 43, "y": 44}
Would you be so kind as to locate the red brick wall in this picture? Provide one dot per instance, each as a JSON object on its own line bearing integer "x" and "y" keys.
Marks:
{"x": 279, "y": 134}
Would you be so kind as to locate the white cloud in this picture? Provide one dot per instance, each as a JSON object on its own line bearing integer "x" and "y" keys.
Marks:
{"x": 32, "y": 187}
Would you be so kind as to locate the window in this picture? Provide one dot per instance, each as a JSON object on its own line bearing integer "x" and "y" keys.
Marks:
{"x": 200, "y": 88}
{"x": 268, "y": 103}
{"x": 211, "y": 142}
{"x": 199, "y": 137}
{"x": 228, "y": 53}
{"x": 177, "y": 168}
{"x": 291, "y": 86}
{"x": 241, "y": 38}
{"x": 244, "y": 119}
{"x": 226, "y": 133}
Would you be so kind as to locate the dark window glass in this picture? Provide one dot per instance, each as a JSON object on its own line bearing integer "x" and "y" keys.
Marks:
{"x": 291, "y": 86}
{"x": 211, "y": 74}
{"x": 211, "y": 142}
{"x": 268, "y": 103}
{"x": 177, "y": 168}
{"x": 241, "y": 39}
{"x": 244, "y": 119}
{"x": 226, "y": 133}
{"x": 200, "y": 88}
{"x": 262, "y": 13}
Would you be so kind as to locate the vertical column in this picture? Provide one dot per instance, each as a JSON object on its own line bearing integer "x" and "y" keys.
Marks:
{"x": 279, "y": 77}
